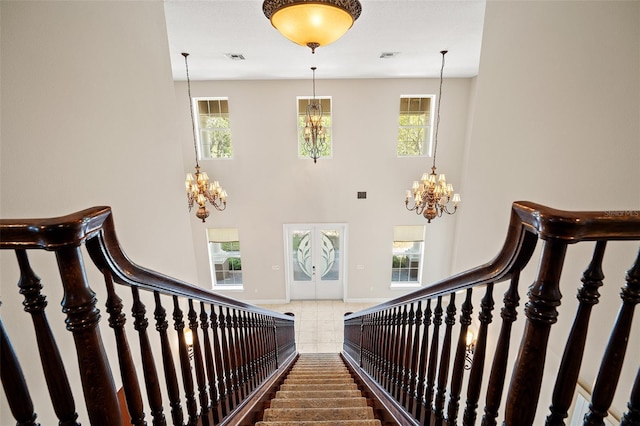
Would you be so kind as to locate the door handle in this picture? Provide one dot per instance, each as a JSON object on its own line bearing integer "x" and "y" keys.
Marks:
{"x": 313, "y": 269}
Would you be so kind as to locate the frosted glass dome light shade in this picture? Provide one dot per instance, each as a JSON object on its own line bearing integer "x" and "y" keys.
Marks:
{"x": 312, "y": 23}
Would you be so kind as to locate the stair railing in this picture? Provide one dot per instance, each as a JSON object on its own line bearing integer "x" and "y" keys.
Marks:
{"x": 235, "y": 347}
{"x": 412, "y": 353}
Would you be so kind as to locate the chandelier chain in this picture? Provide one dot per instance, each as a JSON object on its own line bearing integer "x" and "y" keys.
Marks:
{"x": 435, "y": 143}
{"x": 193, "y": 123}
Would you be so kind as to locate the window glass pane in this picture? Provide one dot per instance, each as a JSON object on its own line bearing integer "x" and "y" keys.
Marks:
{"x": 303, "y": 146}
{"x": 214, "y": 128}
{"x": 329, "y": 252}
{"x": 224, "y": 257}
{"x": 302, "y": 255}
{"x": 414, "y": 131}
{"x": 407, "y": 253}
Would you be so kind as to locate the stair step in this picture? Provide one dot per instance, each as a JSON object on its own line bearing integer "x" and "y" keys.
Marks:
{"x": 319, "y": 381}
{"x": 318, "y": 394}
{"x": 316, "y": 414}
{"x": 316, "y": 387}
{"x": 318, "y": 402}
{"x": 323, "y": 423}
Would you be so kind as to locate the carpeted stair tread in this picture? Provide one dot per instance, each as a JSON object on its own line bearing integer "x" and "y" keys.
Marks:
{"x": 323, "y": 423}
{"x": 316, "y": 414}
{"x": 306, "y": 387}
{"x": 319, "y": 391}
{"x": 318, "y": 402}
{"x": 319, "y": 381}
{"x": 318, "y": 394}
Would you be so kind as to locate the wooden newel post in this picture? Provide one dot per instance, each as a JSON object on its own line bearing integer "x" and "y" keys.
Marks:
{"x": 79, "y": 304}
{"x": 541, "y": 312}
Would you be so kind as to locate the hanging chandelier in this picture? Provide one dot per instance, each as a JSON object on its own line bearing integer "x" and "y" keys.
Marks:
{"x": 314, "y": 132}
{"x": 199, "y": 190}
{"x": 432, "y": 194}
{"x": 312, "y": 23}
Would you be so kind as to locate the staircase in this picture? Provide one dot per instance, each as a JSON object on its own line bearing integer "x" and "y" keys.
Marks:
{"x": 319, "y": 391}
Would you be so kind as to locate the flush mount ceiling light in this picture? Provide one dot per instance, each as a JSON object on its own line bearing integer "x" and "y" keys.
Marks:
{"x": 312, "y": 23}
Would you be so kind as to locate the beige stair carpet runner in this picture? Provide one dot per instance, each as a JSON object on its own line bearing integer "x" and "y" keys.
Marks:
{"x": 319, "y": 391}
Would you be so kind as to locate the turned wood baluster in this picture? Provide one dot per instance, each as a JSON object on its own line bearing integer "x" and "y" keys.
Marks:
{"x": 208, "y": 361}
{"x": 266, "y": 338}
{"x": 377, "y": 349}
{"x": 384, "y": 346}
{"x": 203, "y": 394}
{"x": 79, "y": 304}
{"x": 257, "y": 330}
{"x": 185, "y": 363}
{"x": 226, "y": 357}
{"x": 632, "y": 416}
{"x": 140, "y": 323}
{"x": 433, "y": 361}
{"x": 415, "y": 353}
{"x": 407, "y": 362}
{"x": 569, "y": 370}
{"x": 459, "y": 361}
{"x": 234, "y": 356}
{"x": 251, "y": 351}
{"x": 14, "y": 384}
{"x": 391, "y": 352}
{"x": 445, "y": 357}
{"x": 422, "y": 365}
{"x": 220, "y": 368}
{"x": 477, "y": 366}
{"x": 364, "y": 343}
{"x": 54, "y": 372}
{"x": 241, "y": 358}
{"x": 130, "y": 382}
{"x": 611, "y": 366}
{"x": 274, "y": 343}
{"x": 541, "y": 312}
{"x": 495, "y": 385}
{"x": 398, "y": 359}
{"x": 171, "y": 378}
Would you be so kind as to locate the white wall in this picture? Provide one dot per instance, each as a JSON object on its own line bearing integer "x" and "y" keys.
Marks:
{"x": 88, "y": 118}
{"x": 556, "y": 121}
{"x": 269, "y": 185}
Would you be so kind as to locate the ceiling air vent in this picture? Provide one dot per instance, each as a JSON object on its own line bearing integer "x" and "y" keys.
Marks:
{"x": 235, "y": 56}
{"x": 388, "y": 55}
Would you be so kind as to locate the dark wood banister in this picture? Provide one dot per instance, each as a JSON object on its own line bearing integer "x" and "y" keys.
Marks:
{"x": 269, "y": 334}
{"x": 369, "y": 331}
{"x": 95, "y": 227}
{"x": 528, "y": 223}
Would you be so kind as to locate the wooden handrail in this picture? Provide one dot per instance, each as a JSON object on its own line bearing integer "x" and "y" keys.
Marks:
{"x": 529, "y": 222}
{"x": 404, "y": 358}
{"x": 238, "y": 348}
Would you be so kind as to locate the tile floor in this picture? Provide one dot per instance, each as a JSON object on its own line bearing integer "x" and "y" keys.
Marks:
{"x": 319, "y": 323}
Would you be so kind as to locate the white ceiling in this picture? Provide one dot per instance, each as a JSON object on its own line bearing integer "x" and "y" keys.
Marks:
{"x": 417, "y": 29}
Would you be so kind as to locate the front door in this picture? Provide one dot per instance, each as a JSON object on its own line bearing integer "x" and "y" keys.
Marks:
{"x": 315, "y": 261}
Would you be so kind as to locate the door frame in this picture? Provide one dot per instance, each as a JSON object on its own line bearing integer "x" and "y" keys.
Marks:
{"x": 342, "y": 226}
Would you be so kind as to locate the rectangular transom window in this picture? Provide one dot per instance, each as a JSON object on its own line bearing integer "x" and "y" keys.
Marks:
{"x": 325, "y": 103}
{"x": 407, "y": 253}
{"x": 213, "y": 128}
{"x": 415, "y": 124}
{"x": 224, "y": 257}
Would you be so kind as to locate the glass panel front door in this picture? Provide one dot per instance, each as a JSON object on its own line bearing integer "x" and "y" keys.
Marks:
{"x": 314, "y": 261}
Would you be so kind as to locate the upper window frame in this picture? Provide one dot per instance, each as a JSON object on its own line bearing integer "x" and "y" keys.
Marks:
{"x": 429, "y": 126}
{"x": 199, "y": 128}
